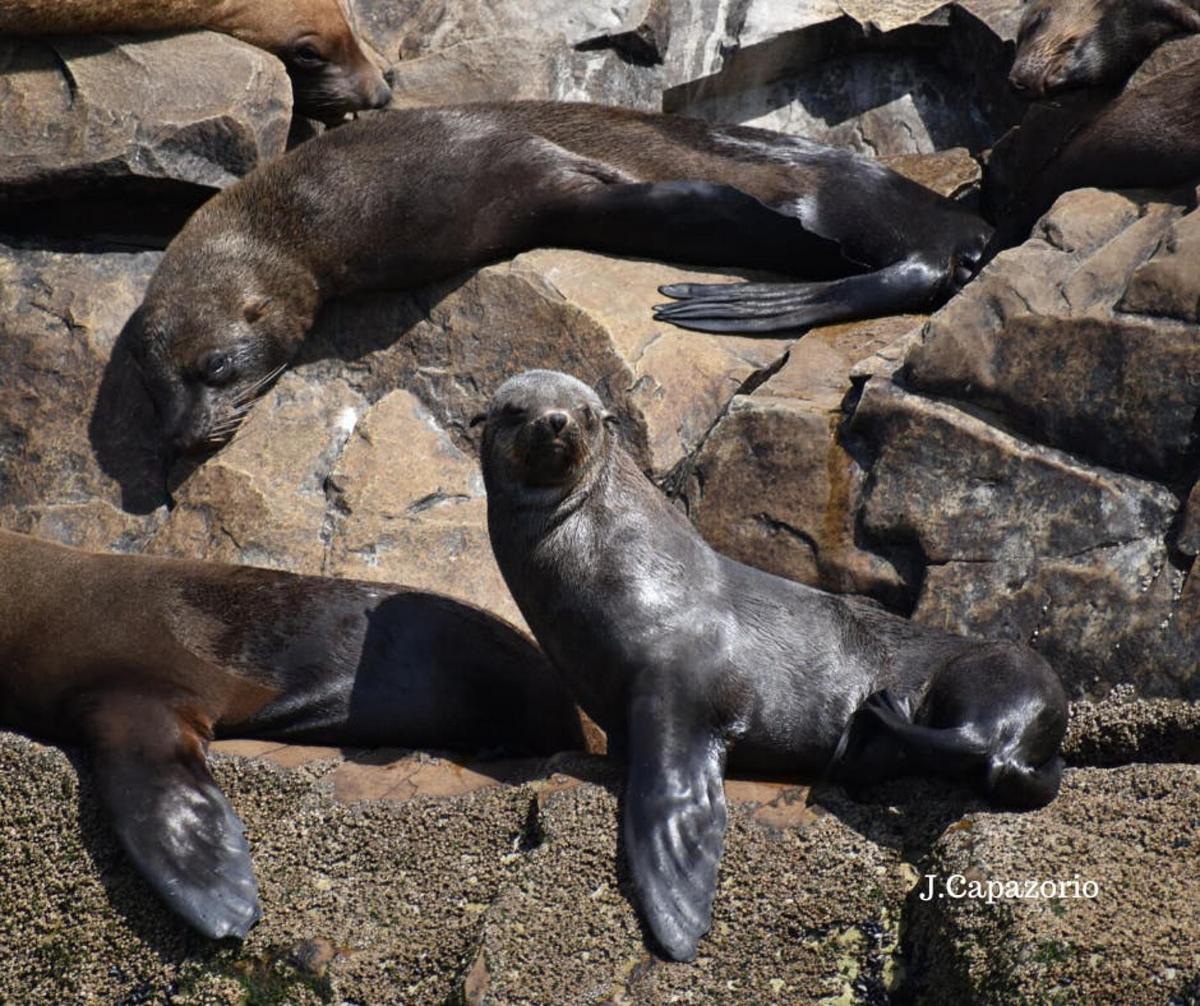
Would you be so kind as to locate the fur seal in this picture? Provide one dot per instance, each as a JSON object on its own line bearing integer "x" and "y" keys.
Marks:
{"x": 144, "y": 660}
{"x": 416, "y": 195}
{"x": 681, "y": 655}
{"x": 1148, "y": 136}
{"x": 1065, "y": 45}
{"x": 331, "y": 74}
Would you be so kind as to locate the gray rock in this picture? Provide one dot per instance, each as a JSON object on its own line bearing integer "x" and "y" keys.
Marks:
{"x": 200, "y": 109}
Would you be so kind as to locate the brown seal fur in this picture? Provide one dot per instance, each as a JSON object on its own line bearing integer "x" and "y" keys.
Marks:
{"x": 414, "y": 195}
{"x": 681, "y": 655}
{"x": 331, "y": 74}
{"x": 1148, "y": 136}
{"x": 1065, "y": 45}
{"x": 144, "y": 660}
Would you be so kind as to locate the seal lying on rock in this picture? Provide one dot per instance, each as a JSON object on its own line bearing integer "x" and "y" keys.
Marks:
{"x": 143, "y": 660}
{"x": 416, "y": 195}
{"x": 681, "y": 654}
{"x": 331, "y": 75}
{"x": 1064, "y": 45}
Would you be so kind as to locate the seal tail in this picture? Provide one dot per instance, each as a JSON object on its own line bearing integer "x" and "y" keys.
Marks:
{"x": 1017, "y": 784}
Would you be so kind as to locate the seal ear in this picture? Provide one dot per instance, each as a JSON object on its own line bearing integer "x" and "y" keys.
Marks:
{"x": 611, "y": 420}
{"x": 255, "y": 309}
{"x": 479, "y": 417}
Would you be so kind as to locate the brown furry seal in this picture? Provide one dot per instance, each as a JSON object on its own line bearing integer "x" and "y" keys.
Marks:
{"x": 681, "y": 655}
{"x": 416, "y": 195}
{"x": 144, "y": 660}
{"x": 1064, "y": 45}
{"x": 331, "y": 74}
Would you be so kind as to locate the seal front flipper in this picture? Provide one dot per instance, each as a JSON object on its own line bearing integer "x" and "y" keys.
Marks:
{"x": 674, "y": 820}
{"x": 910, "y": 285}
{"x": 169, "y": 815}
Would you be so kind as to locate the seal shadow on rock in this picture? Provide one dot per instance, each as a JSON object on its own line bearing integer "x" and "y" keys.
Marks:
{"x": 122, "y": 429}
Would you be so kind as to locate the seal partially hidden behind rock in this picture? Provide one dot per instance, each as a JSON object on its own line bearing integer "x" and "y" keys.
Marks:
{"x": 144, "y": 659}
{"x": 415, "y": 195}
{"x": 331, "y": 74}
{"x": 681, "y": 654}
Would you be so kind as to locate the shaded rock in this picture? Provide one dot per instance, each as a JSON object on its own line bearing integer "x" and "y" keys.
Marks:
{"x": 642, "y": 37}
{"x": 774, "y": 487}
{"x": 1131, "y": 831}
{"x": 827, "y": 72}
{"x": 965, "y": 490}
{"x": 199, "y": 109}
{"x": 1124, "y": 394}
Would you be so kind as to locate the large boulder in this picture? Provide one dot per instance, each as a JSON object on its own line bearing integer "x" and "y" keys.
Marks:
{"x": 135, "y": 117}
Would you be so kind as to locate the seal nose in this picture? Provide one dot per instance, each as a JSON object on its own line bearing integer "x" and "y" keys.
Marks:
{"x": 557, "y": 421}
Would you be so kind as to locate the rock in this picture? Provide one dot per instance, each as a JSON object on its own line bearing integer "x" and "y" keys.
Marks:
{"x": 62, "y": 314}
{"x": 1189, "y": 532}
{"x": 965, "y": 490}
{"x": 1122, "y": 728}
{"x": 1167, "y": 285}
{"x": 1129, "y": 831}
{"x": 952, "y": 173}
{"x": 96, "y": 112}
{"x": 468, "y": 50}
{"x": 1120, "y": 393}
{"x": 773, "y": 485}
{"x": 881, "y": 78}
{"x": 1043, "y": 336}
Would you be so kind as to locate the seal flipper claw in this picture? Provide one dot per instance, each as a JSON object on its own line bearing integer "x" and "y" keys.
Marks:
{"x": 169, "y": 815}
{"x": 674, "y": 823}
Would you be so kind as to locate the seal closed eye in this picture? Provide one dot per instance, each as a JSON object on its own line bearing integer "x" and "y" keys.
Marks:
{"x": 684, "y": 656}
{"x": 415, "y": 195}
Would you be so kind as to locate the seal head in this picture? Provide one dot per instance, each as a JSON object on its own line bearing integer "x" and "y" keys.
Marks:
{"x": 207, "y": 358}
{"x": 1065, "y": 45}
{"x": 544, "y": 431}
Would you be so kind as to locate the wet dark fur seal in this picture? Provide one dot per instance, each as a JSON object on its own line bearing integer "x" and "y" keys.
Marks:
{"x": 1065, "y": 45}
{"x": 331, "y": 74}
{"x": 681, "y": 654}
{"x": 144, "y": 660}
{"x": 415, "y": 195}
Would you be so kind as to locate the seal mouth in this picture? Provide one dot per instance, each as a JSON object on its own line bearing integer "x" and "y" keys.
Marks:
{"x": 551, "y": 462}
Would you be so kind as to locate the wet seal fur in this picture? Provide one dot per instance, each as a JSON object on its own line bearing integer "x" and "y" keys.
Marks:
{"x": 1065, "y": 45}
{"x": 331, "y": 74}
{"x": 682, "y": 655}
{"x": 415, "y": 195}
{"x": 144, "y": 660}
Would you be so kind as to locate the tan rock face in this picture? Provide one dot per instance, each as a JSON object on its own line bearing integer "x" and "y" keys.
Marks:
{"x": 774, "y": 485}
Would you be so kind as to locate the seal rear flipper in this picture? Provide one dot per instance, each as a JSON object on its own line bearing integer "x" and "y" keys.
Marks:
{"x": 674, "y": 821}
{"x": 169, "y": 815}
{"x": 910, "y": 285}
